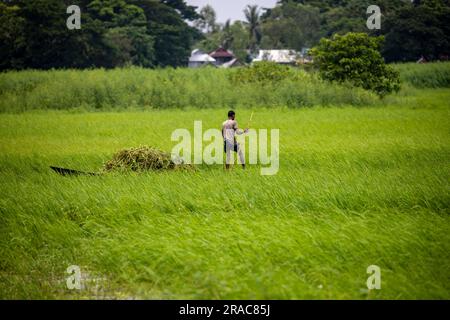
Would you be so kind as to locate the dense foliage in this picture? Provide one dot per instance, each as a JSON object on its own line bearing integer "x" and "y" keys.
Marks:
{"x": 113, "y": 33}
{"x": 264, "y": 73}
{"x": 160, "y": 33}
{"x": 416, "y": 31}
{"x": 412, "y": 29}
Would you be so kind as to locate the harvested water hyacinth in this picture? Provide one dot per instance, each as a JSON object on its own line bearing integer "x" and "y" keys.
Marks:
{"x": 142, "y": 159}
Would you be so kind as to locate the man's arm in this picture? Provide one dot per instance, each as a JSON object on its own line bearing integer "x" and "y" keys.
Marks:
{"x": 237, "y": 130}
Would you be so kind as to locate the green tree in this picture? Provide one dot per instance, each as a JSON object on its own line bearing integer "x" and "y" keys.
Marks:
{"x": 356, "y": 58}
{"x": 240, "y": 41}
{"x": 12, "y": 37}
{"x": 252, "y": 16}
{"x": 227, "y": 35}
{"x": 173, "y": 36}
{"x": 113, "y": 33}
{"x": 232, "y": 37}
{"x": 292, "y": 26}
{"x": 415, "y": 31}
{"x": 125, "y": 37}
{"x": 207, "y": 21}
{"x": 44, "y": 33}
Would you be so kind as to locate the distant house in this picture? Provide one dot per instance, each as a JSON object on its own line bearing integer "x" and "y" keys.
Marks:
{"x": 222, "y": 56}
{"x": 231, "y": 64}
{"x": 278, "y": 56}
{"x": 199, "y": 59}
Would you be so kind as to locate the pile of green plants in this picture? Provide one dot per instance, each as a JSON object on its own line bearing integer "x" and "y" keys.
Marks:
{"x": 142, "y": 159}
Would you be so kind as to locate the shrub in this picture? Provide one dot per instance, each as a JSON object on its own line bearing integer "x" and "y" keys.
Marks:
{"x": 356, "y": 58}
{"x": 263, "y": 72}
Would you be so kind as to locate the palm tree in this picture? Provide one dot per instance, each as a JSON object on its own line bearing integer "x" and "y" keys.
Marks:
{"x": 252, "y": 15}
{"x": 227, "y": 37}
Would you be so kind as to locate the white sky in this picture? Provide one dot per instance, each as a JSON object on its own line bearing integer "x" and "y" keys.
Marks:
{"x": 230, "y": 9}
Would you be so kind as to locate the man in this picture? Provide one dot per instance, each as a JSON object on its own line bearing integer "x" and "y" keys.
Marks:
{"x": 229, "y": 131}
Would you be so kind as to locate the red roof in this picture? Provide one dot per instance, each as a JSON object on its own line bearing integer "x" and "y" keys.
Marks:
{"x": 221, "y": 53}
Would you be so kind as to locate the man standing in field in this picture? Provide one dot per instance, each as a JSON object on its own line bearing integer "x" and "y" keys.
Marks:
{"x": 229, "y": 131}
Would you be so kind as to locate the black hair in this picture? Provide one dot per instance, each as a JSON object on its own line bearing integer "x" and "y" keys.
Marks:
{"x": 231, "y": 113}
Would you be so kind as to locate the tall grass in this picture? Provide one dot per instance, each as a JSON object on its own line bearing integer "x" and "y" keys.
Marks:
{"x": 356, "y": 187}
{"x": 180, "y": 88}
{"x": 429, "y": 75}
{"x": 166, "y": 88}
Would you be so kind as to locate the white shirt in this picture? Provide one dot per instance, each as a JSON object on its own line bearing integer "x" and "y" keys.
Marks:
{"x": 229, "y": 128}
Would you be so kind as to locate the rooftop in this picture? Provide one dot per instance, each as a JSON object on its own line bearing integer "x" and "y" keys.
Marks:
{"x": 221, "y": 53}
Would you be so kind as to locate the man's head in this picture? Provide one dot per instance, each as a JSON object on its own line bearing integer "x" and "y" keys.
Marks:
{"x": 231, "y": 114}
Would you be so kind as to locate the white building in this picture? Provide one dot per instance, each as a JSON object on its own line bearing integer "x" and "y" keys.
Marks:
{"x": 198, "y": 59}
{"x": 278, "y": 56}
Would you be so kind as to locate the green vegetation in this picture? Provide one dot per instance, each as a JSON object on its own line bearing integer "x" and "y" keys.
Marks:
{"x": 418, "y": 30}
{"x": 137, "y": 88}
{"x": 265, "y": 72}
{"x": 159, "y": 33}
{"x": 356, "y": 187}
{"x": 412, "y": 28}
{"x": 432, "y": 75}
{"x": 356, "y": 58}
{"x": 115, "y": 33}
{"x": 363, "y": 178}
{"x": 165, "y": 88}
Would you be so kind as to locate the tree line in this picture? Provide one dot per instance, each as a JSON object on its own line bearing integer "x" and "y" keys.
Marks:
{"x": 113, "y": 33}
{"x": 412, "y": 29}
{"x": 160, "y": 33}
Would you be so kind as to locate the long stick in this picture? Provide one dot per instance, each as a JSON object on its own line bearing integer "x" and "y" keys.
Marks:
{"x": 249, "y": 121}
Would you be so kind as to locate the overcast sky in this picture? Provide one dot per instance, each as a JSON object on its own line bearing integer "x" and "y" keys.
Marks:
{"x": 231, "y": 9}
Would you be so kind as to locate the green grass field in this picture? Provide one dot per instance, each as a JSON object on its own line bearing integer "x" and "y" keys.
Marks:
{"x": 205, "y": 88}
{"x": 356, "y": 187}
